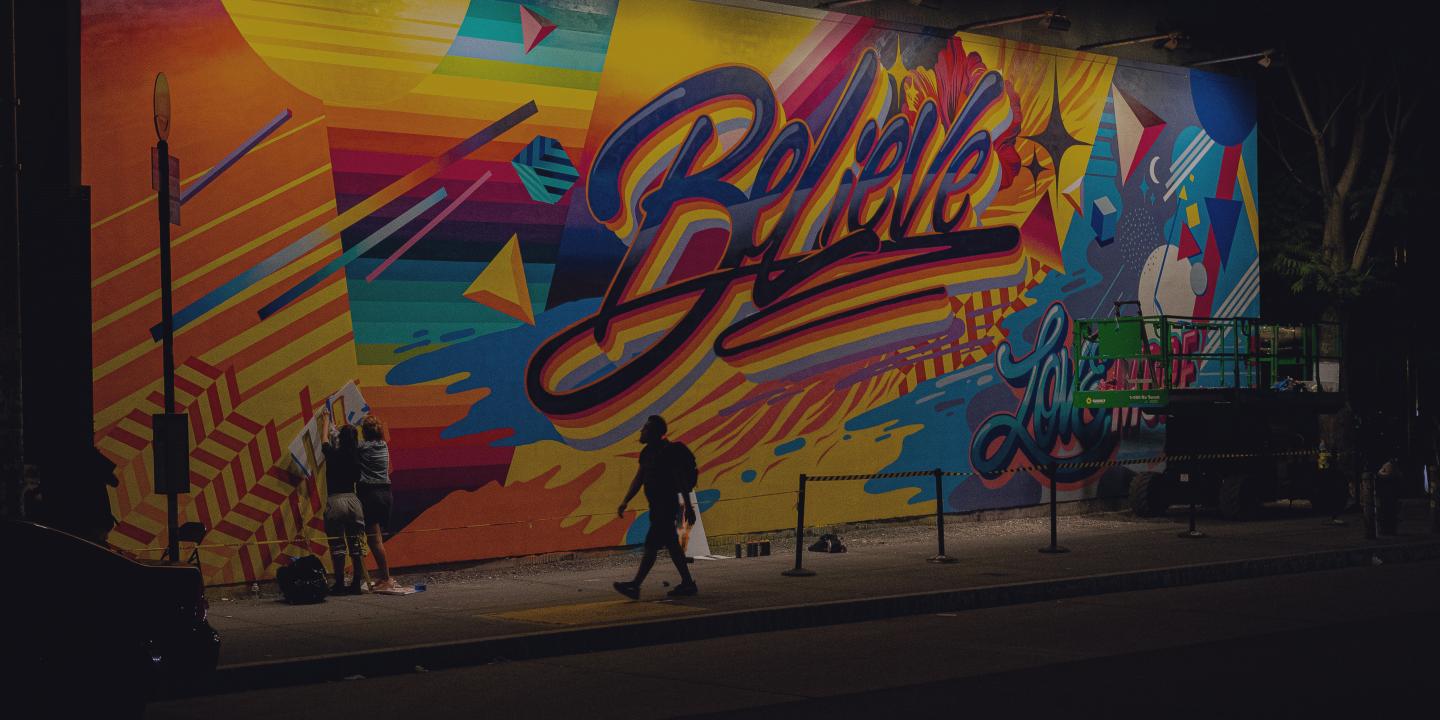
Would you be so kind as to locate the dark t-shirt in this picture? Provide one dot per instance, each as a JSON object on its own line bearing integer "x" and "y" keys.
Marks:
{"x": 344, "y": 470}
{"x": 655, "y": 478}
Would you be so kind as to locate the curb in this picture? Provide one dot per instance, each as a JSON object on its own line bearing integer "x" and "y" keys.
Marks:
{"x": 550, "y": 643}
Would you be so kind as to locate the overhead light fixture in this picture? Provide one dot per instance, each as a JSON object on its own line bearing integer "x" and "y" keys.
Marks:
{"x": 1050, "y": 19}
{"x": 1055, "y": 21}
{"x": 832, "y": 4}
{"x": 1167, "y": 41}
{"x": 1263, "y": 58}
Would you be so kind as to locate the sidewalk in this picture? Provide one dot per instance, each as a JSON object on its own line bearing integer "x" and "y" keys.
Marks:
{"x": 568, "y": 607}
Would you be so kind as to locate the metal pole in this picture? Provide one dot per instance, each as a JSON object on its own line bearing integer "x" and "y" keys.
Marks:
{"x": 1054, "y": 548}
{"x": 940, "y": 518}
{"x": 1434, "y": 501}
{"x": 12, "y": 420}
{"x": 1367, "y": 502}
{"x": 799, "y": 571}
{"x": 172, "y": 507}
{"x": 1192, "y": 533}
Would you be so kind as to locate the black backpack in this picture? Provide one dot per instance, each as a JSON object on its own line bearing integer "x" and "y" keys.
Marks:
{"x": 302, "y": 582}
{"x": 683, "y": 470}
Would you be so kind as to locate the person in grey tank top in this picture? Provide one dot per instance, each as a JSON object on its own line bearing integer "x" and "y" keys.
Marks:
{"x": 374, "y": 492}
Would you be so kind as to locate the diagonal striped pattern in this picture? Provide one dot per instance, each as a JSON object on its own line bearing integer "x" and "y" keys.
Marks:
{"x": 359, "y": 211}
{"x": 349, "y": 255}
{"x": 983, "y": 312}
{"x": 545, "y": 170}
{"x": 238, "y": 490}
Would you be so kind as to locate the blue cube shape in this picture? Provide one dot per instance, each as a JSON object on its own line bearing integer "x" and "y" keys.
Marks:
{"x": 1102, "y": 220}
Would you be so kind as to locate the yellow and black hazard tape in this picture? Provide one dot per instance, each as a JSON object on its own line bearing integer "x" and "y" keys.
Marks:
{"x": 1070, "y": 465}
{"x": 324, "y": 539}
{"x": 1044, "y": 467}
{"x": 870, "y": 476}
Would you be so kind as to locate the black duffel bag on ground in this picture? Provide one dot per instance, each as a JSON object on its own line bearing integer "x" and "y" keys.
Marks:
{"x": 302, "y": 582}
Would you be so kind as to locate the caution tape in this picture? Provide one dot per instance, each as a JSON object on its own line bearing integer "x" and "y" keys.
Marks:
{"x": 1070, "y": 465}
{"x": 326, "y": 539}
{"x": 323, "y": 539}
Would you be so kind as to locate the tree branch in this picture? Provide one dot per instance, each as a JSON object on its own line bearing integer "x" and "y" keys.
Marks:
{"x": 1377, "y": 203}
{"x": 1280, "y": 153}
{"x": 1321, "y": 158}
{"x": 1346, "y": 182}
{"x": 1338, "y": 105}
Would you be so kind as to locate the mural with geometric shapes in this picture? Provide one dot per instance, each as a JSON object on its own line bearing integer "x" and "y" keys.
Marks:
{"x": 812, "y": 242}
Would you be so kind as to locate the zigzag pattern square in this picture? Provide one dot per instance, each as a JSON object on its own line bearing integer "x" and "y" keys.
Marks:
{"x": 545, "y": 170}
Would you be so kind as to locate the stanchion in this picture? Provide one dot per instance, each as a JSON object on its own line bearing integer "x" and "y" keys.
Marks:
{"x": 1367, "y": 504}
{"x": 940, "y": 519}
{"x": 1192, "y": 533}
{"x": 798, "y": 570}
{"x": 1054, "y": 548}
{"x": 1434, "y": 481}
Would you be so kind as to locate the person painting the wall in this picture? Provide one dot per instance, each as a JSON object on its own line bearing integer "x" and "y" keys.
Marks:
{"x": 344, "y": 516}
{"x": 373, "y": 489}
{"x": 659, "y": 476}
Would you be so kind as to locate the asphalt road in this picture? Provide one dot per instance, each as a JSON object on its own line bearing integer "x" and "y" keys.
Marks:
{"x": 1359, "y": 642}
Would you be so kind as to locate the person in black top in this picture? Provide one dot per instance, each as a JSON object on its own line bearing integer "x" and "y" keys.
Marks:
{"x": 657, "y": 476}
{"x": 344, "y": 516}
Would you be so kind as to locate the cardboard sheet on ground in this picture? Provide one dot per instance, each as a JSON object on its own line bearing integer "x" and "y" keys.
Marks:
{"x": 401, "y": 590}
{"x": 348, "y": 404}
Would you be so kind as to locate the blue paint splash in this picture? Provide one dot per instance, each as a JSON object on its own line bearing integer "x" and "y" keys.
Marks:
{"x": 788, "y": 447}
{"x": 496, "y": 361}
{"x": 457, "y": 335}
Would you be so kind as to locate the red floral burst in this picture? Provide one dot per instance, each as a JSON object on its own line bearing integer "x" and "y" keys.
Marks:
{"x": 950, "y": 84}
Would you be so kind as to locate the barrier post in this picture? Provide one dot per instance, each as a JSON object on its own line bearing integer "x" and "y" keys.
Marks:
{"x": 1192, "y": 533}
{"x": 940, "y": 518}
{"x": 1433, "y": 480}
{"x": 1054, "y": 548}
{"x": 798, "y": 570}
{"x": 1367, "y": 502}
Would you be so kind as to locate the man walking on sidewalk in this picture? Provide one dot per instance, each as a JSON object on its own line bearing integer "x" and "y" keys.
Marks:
{"x": 658, "y": 474}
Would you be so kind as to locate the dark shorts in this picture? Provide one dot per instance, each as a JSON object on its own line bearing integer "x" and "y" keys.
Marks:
{"x": 376, "y": 502}
{"x": 662, "y": 531}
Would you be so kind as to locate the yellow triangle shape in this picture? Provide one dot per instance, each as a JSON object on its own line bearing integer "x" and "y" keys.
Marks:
{"x": 501, "y": 285}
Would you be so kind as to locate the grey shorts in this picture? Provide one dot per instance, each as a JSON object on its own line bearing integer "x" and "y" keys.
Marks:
{"x": 345, "y": 524}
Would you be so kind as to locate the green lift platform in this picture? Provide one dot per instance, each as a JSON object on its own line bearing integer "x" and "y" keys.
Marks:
{"x": 1241, "y": 399}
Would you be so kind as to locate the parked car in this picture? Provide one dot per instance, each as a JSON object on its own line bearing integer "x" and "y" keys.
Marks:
{"x": 95, "y": 629}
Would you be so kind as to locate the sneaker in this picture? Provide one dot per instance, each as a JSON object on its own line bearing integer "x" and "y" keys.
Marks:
{"x": 628, "y": 589}
{"x": 684, "y": 589}
{"x": 337, "y": 589}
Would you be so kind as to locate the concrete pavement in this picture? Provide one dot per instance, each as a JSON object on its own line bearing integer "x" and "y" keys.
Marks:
{"x": 1338, "y": 643}
{"x": 567, "y": 608}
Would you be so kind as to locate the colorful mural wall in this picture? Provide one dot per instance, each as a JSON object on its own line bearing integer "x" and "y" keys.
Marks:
{"x": 813, "y": 243}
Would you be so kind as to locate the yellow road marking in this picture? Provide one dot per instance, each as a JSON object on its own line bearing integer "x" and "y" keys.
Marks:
{"x": 596, "y": 613}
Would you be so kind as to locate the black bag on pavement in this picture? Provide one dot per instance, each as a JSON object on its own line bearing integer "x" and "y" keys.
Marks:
{"x": 302, "y": 582}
